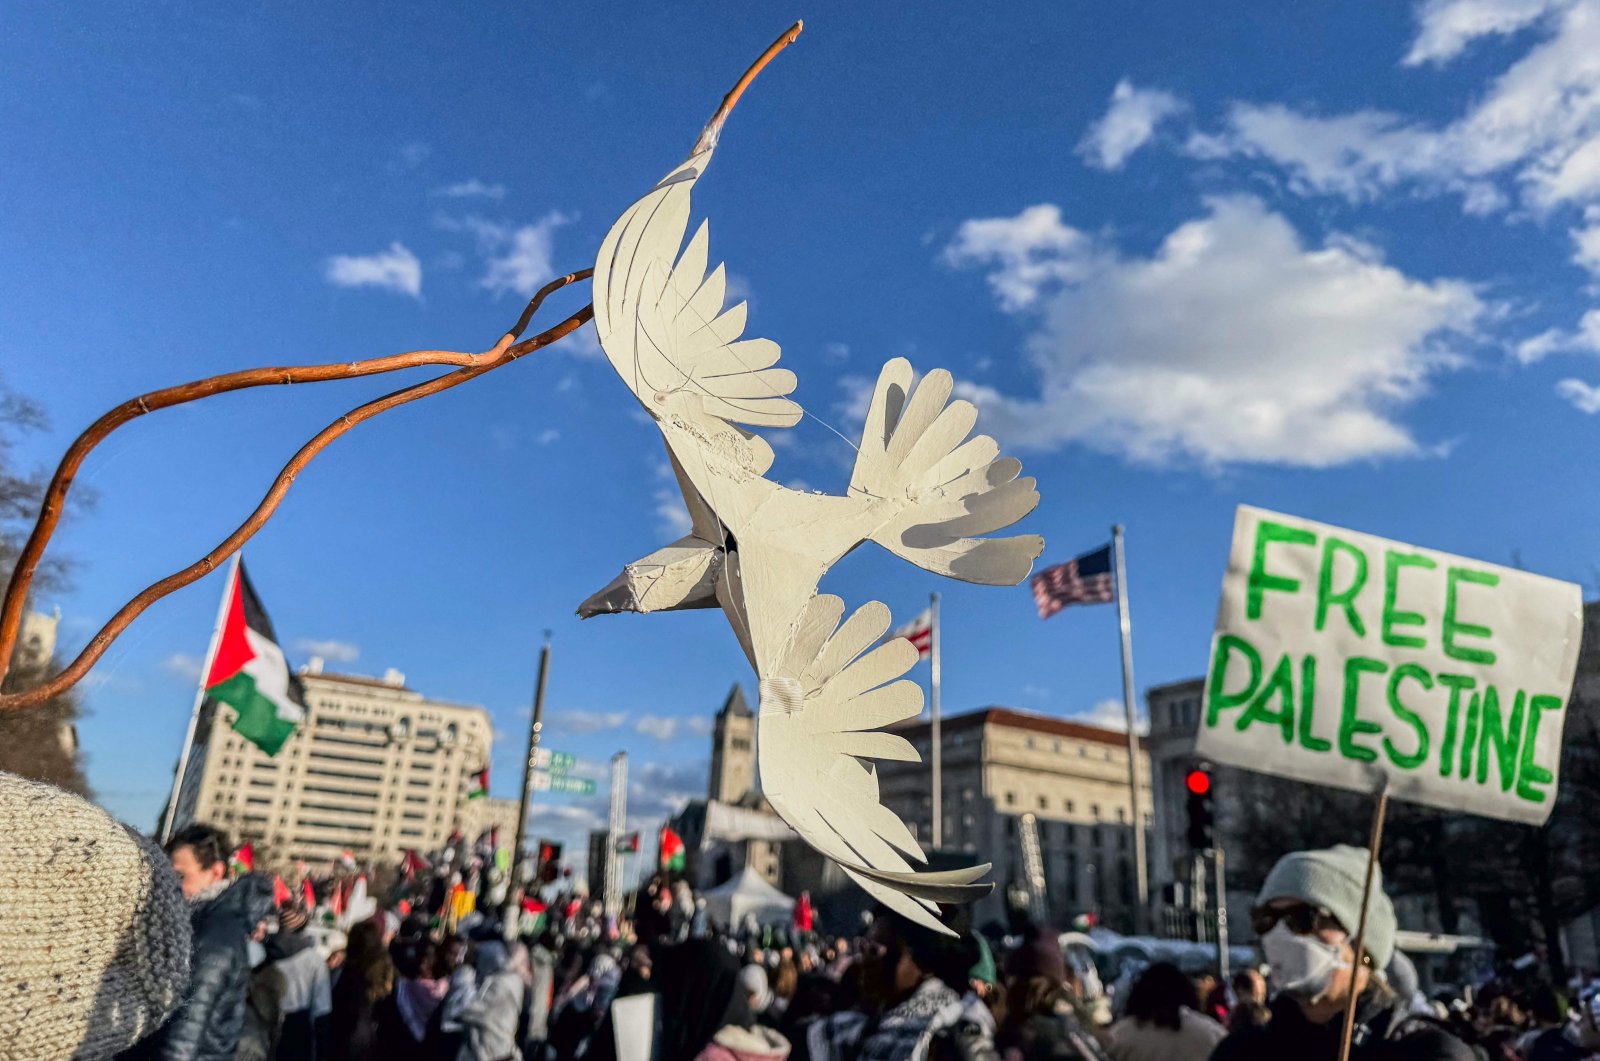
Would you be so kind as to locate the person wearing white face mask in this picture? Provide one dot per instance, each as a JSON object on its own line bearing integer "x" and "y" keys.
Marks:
{"x": 1306, "y": 916}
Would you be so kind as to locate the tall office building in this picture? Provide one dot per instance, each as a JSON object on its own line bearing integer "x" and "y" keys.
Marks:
{"x": 377, "y": 768}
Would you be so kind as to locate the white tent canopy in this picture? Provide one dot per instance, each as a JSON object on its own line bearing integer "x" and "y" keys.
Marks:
{"x": 746, "y": 894}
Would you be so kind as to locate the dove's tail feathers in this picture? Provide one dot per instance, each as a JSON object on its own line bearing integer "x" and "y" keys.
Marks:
{"x": 943, "y": 488}
{"x": 916, "y": 895}
{"x": 949, "y": 887}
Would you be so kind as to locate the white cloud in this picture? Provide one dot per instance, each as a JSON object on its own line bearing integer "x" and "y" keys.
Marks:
{"x": 519, "y": 259}
{"x": 836, "y": 352}
{"x": 1584, "y": 339}
{"x": 1028, "y": 254}
{"x": 579, "y": 720}
{"x": 1584, "y": 398}
{"x": 1234, "y": 343}
{"x": 1128, "y": 124}
{"x": 1586, "y": 245}
{"x": 1535, "y": 126}
{"x": 1110, "y": 714}
{"x": 665, "y": 728}
{"x": 1446, "y": 27}
{"x": 671, "y": 514}
{"x": 395, "y": 269}
{"x": 183, "y": 665}
{"x": 549, "y": 435}
{"x": 337, "y": 651}
{"x": 472, "y": 188}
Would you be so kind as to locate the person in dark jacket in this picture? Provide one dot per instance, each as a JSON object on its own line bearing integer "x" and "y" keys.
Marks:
{"x": 207, "y": 1026}
{"x": 1306, "y": 915}
{"x": 307, "y": 995}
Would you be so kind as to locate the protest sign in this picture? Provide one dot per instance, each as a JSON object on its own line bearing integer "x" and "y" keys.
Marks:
{"x": 1349, "y": 660}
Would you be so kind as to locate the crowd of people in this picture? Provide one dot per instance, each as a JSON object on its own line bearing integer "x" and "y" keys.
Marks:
{"x": 116, "y": 948}
{"x": 670, "y": 984}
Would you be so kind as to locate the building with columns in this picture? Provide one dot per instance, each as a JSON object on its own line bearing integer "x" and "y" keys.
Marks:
{"x": 1000, "y": 763}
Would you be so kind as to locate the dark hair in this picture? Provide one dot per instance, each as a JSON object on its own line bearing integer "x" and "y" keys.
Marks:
{"x": 367, "y": 966}
{"x": 932, "y": 952}
{"x": 1159, "y": 995}
{"x": 209, "y": 844}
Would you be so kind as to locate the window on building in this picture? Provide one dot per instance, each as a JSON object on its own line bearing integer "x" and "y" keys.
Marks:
{"x": 1070, "y": 806}
{"x": 967, "y": 821}
{"x": 968, "y": 795}
{"x": 1083, "y": 752}
{"x": 1094, "y": 811}
{"x": 1122, "y": 815}
{"x": 1044, "y": 803}
{"x": 1071, "y": 833}
{"x": 1028, "y": 742}
{"x": 1056, "y": 747}
{"x": 1122, "y": 841}
{"x": 1011, "y": 799}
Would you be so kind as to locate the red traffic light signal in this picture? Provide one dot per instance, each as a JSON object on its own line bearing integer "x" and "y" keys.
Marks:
{"x": 1202, "y": 821}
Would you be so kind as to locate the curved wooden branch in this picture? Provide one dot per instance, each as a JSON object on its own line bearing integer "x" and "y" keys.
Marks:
{"x": 713, "y": 129}
{"x": 471, "y": 366}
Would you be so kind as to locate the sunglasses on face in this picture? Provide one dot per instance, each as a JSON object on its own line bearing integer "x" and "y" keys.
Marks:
{"x": 1301, "y": 918}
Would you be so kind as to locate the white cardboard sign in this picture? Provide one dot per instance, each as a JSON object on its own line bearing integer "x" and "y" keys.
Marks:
{"x": 1346, "y": 660}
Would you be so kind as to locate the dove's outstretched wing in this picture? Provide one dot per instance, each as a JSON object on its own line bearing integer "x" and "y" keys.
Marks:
{"x": 915, "y": 452}
{"x": 662, "y": 323}
{"x": 823, "y": 709}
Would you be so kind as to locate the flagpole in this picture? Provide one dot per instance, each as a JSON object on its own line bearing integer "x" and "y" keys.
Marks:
{"x": 535, "y": 727}
{"x": 1140, "y": 870}
{"x": 938, "y": 743}
{"x": 179, "y": 775}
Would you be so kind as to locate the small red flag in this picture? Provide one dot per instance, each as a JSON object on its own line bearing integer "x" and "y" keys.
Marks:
{"x": 308, "y": 894}
{"x": 280, "y": 892}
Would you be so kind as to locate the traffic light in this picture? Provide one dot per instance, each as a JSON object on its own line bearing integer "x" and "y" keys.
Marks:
{"x": 549, "y": 861}
{"x": 1202, "y": 825}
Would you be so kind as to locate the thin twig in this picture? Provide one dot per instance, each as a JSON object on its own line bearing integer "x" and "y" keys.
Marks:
{"x": 473, "y": 365}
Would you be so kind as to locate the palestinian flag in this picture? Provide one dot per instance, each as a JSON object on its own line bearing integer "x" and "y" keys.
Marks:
{"x": 480, "y": 784}
{"x": 249, "y": 672}
{"x": 243, "y": 859}
{"x": 628, "y": 845}
{"x": 280, "y": 892}
{"x": 672, "y": 855}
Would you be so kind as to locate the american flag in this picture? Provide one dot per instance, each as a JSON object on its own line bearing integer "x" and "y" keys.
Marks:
{"x": 1083, "y": 580}
{"x": 919, "y": 632}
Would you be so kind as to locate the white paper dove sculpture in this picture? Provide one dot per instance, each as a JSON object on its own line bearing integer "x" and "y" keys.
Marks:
{"x": 921, "y": 489}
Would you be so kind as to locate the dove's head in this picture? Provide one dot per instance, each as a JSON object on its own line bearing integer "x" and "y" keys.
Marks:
{"x": 680, "y": 576}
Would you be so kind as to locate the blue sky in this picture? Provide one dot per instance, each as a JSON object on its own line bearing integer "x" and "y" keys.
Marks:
{"x": 1330, "y": 259}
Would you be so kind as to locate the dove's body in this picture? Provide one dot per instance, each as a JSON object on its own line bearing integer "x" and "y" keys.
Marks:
{"x": 759, "y": 550}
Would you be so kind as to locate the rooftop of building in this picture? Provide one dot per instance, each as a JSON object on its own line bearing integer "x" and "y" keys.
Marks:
{"x": 392, "y": 681}
{"x": 1015, "y": 718}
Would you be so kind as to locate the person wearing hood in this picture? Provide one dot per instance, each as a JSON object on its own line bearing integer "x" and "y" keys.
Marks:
{"x": 1306, "y": 915}
{"x": 490, "y": 1019}
{"x": 704, "y": 1008}
{"x": 307, "y": 999}
{"x": 209, "y": 1024}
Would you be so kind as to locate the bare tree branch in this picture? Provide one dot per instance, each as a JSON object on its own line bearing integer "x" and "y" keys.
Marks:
{"x": 471, "y": 367}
